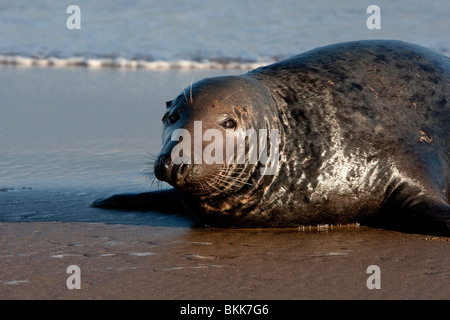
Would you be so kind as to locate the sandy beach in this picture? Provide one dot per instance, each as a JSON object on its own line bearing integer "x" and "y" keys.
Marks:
{"x": 148, "y": 262}
{"x": 80, "y": 134}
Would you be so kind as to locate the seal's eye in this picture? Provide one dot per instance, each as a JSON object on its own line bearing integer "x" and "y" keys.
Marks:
{"x": 229, "y": 124}
{"x": 173, "y": 118}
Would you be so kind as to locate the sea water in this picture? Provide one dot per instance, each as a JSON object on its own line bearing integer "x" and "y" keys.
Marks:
{"x": 204, "y": 33}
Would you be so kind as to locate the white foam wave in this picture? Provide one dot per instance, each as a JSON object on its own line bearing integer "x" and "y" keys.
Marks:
{"x": 119, "y": 62}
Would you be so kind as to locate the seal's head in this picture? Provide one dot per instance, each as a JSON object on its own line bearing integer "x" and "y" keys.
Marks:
{"x": 213, "y": 138}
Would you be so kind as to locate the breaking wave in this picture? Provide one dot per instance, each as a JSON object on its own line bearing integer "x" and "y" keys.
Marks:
{"x": 125, "y": 63}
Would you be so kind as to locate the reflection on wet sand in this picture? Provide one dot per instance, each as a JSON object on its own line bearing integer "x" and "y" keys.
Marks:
{"x": 145, "y": 262}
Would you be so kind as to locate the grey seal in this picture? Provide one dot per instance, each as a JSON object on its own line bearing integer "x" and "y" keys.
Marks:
{"x": 364, "y": 136}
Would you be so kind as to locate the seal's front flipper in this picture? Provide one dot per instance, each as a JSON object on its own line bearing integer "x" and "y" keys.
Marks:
{"x": 163, "y": 200}
{"x": 413, "y": 209}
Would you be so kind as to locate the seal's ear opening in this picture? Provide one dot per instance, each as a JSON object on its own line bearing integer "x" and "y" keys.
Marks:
{"x": 168, "y": 103}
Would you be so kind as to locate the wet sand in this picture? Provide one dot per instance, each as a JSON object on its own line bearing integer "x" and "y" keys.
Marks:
{"x": 70, "y": 136}
{"x": 147, "y": 262}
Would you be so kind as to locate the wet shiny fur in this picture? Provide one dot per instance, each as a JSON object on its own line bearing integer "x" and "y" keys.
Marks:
{"x": 365, "y": 137}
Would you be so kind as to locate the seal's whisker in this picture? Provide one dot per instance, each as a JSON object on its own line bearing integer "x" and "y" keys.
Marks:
{"x": 230, "y": 177}
{"x": 213, "y": 186}
{"x": 226, "y": 184}
{"x": 152, "y": 179}
{"x": 184, "y": 92}
{"x": 223, "y": 181}
{"x": 158, "y": 183}
{"x": 235, "y": 179}
{"x": 151, "y": 158}
{"x": 190, "y": 90}
{"x": 238, "y": 183}
{"x": 234, "y": 171}
{"x": 217, "y": 180}
{"x": 148, "y": 173}
{"x": 231, "y": 94}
